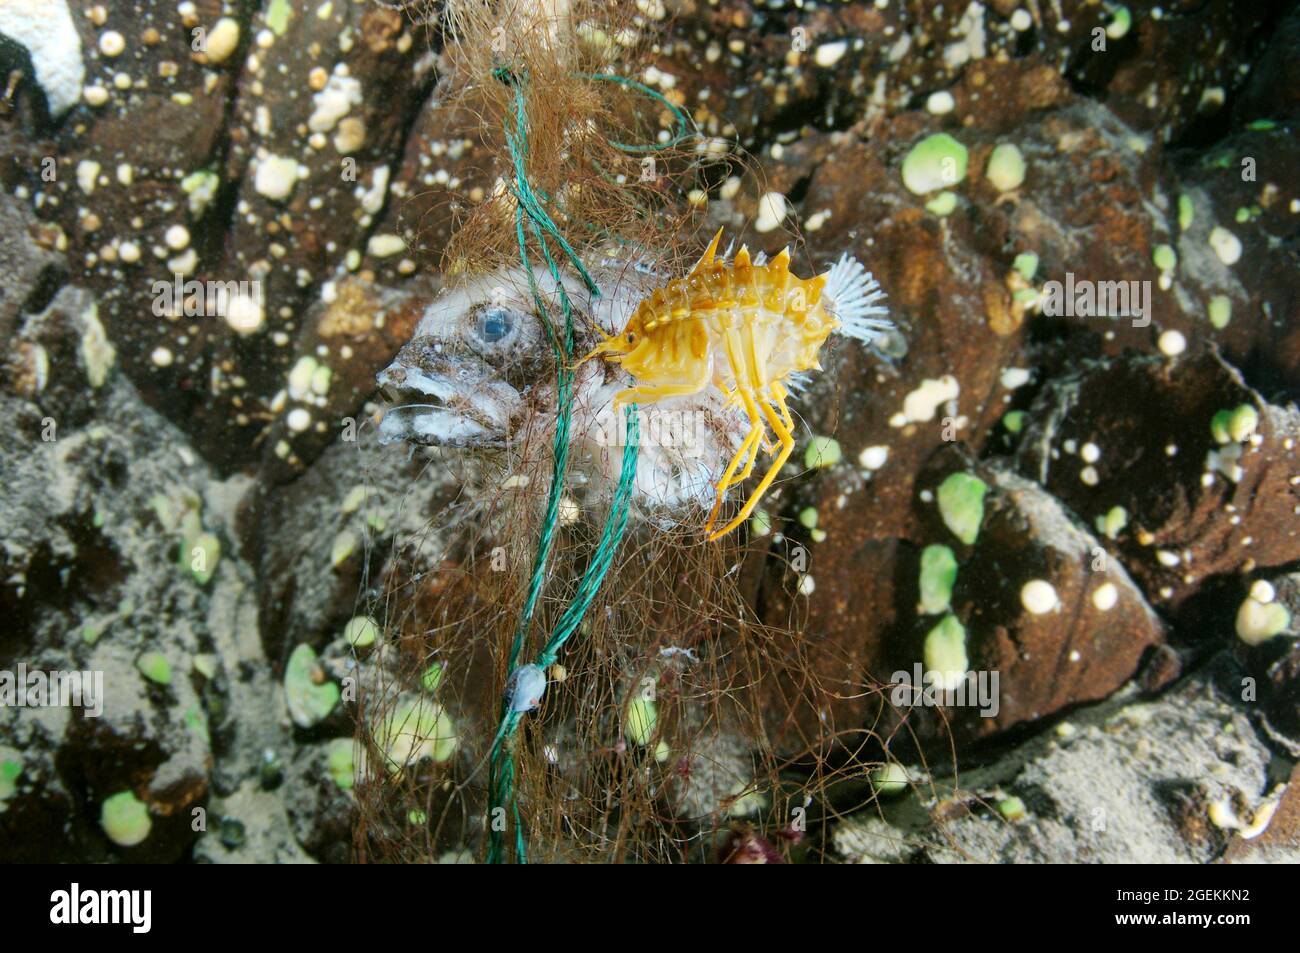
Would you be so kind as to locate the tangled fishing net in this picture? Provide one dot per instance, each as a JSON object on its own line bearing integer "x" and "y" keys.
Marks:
{"x": 563, "y": 675}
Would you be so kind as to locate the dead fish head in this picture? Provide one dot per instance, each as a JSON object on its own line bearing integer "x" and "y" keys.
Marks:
{"x": 479, "y": 373}
{"x": 478, "y": 363}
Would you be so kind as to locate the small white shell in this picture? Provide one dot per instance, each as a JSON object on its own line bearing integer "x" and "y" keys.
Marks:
{"x": 525, "y": 689}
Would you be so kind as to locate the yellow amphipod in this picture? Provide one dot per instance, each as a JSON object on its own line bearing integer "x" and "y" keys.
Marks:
{"x": 745, "y": 328}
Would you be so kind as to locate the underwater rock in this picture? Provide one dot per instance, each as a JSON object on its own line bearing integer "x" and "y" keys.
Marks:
{"x": 1124, "y": 781}
{"x": 1268, "y": 635}
{"x": 28, "y": 258}
{"x": 266, "y": 833}
{"x": 90, "y": 583}
{"x": 1044, "y": 608}
{"x": 344, "y": 342}
{"x": 321, "y": 811}
{"x": 1279, "y": 841}
{"x": 291, "y": 530}
{"x": 309, "y": 151}
{"x": 102, "y": 496}
{"x": 1137, "y": 435}
{"x": 155, "y": 176}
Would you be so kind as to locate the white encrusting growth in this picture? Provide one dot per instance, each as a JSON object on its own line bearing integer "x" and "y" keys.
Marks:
{"x": 873, "y": 458}
{"x": 45, "y": 28}
{"x": 921, "y": 404}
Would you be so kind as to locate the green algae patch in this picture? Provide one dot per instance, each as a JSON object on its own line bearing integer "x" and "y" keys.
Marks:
{"x": 942, "y": 205}
{"x": 11, "y": 768}
{"x": 311, "y": 696}
{"x": 822, "y": 452}
{"x": 641, "y": 721}
{"x": 1164, "y": 257}
{"x": 938, "y": 576}
{"x": 431, "y": 678}
{"x": 418, "y": 729}
{"x": 945, "y": 653}
{"x": 1219, "y": 311}
{"x": 361, "y": 632}
{"x": 936, "y": 162}
{"x": 1026, "y": 264}
{"x": 125, "y": 819}
{"x": 1012, "y": 808}
{"x": 961, "y": 505}
{"x": 340, "y": 763}
{"x": 155, "y": 667}
{"x": 889, "y": 780}
{"x": 1113, "y": 523}
{"x": 1006, "y": 168}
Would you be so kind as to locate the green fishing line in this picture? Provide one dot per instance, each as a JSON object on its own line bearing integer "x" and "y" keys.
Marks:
{"x": 531, "y": 211}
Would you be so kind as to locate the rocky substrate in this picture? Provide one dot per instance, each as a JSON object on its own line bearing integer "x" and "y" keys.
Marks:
{"x": 1103, "y": 509}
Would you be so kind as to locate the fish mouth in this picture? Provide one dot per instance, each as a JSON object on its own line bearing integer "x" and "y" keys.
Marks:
{"x": 436, "y": 401}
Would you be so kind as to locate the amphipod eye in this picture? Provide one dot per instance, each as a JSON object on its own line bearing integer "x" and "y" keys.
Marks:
{"x": 494, "y": 325}
{"x": 631, "y": 337}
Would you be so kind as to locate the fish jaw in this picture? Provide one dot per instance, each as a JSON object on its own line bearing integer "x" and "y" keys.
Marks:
{"x": 444, "y": 401}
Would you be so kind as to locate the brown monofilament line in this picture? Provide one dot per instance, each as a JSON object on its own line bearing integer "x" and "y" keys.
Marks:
{"x": 671, "y": 613}
{"x": 597, "y": 191}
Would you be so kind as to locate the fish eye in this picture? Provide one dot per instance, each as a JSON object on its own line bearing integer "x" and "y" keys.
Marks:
{"x": 495, "y": 325}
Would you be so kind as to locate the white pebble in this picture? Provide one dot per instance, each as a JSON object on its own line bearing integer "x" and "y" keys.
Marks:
{"x": 1262, "y": 591}
{"x": 275, "y": 177}
{"x": 177, "y": 237}
{"x": 1014, "y": 377}
{"x": 828, "y": 54}
{"x": 385, "y": 245}
{"x": 1226, "y": 245}
{"x": 244, "y": 314}
{"x": 1105, "y": 596}
{"x": 772, "y": 210}
{"x": 1172, "y": 343}
{"x": 298, "y": 420}
{"x": 222, "y": 40}
{"x": 1038, "y": 596}
{"x": 940, "y": 103}
{"x": 112, "y": 43}
{"x": 873, "y": 458}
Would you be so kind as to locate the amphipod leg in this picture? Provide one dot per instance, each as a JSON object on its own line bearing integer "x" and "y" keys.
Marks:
{"x": 749, "y": 452}
{"x": 779, "y": 394}
{"x": 651, "y": 394}
{"x": 757, "y": 365}
{"x": 787, "y": 447}
{"x": 742, "y": 371}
